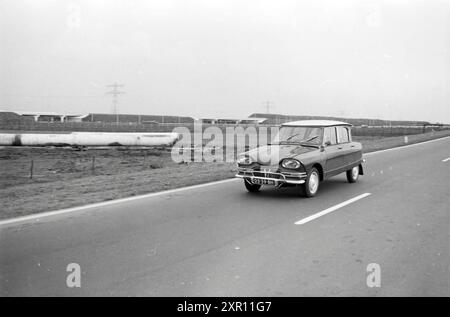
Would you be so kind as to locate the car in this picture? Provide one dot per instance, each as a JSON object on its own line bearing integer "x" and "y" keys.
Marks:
{"x": 303, "y": 154}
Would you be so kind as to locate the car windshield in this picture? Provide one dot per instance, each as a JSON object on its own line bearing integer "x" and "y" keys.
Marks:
{"x": 311, "y": 135}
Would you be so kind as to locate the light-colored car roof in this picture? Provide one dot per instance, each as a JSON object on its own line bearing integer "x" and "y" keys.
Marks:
{"x": 314, "y": 123}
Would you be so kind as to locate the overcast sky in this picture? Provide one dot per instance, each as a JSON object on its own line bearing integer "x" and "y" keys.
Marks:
{"x": 377, "y": 59}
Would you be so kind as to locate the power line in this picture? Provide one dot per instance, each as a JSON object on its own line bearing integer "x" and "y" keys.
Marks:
{"x": 115, "y": 92}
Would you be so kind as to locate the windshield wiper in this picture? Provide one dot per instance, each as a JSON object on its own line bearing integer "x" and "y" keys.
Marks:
{"x": 307, "y": 140}
{"x": 294, "y": 135}
{"x": 310, "y": 145}
{"x": 310, "y": 139}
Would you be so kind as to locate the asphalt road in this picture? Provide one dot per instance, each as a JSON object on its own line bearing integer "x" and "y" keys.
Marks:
{"x": 219, "y": 240}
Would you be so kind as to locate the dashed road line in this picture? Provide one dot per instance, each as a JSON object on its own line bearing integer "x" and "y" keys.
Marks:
{"x": 331, "y": 209}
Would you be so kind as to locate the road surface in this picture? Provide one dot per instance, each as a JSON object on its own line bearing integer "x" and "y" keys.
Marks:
{"x": 219, "y": 240}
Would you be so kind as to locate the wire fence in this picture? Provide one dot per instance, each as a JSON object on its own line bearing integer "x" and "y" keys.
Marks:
{"x": 20, "y": 165}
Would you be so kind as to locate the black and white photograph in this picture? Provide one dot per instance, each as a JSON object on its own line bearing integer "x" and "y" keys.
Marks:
{"x": 224, "y": 153}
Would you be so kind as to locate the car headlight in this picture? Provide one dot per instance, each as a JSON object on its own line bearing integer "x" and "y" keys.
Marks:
{"x": 290, "y": 163}
{"x": 244, "y": 160}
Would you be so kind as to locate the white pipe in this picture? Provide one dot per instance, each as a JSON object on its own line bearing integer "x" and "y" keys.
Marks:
{"x": 89, "y": 139}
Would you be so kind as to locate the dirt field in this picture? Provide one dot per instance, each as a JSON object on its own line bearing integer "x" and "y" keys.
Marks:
{"x": 65, "y": 178}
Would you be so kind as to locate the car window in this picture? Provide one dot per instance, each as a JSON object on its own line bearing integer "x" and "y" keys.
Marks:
{"x": 343, "y": 135}
{"x": 330, "y": 135}
{"x": 311, "y": 135}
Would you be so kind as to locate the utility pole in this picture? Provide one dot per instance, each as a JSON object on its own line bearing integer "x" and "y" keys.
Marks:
{"x": 115, "y": 93}
{"x": 267, "y": 105}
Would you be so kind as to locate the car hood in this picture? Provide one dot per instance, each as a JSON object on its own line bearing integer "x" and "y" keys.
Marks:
{"x": 272, "y": 154}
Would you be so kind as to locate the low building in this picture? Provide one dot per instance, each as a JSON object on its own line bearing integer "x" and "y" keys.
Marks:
{"x": 232, "y": 121}
{"x": 51, "y": 116}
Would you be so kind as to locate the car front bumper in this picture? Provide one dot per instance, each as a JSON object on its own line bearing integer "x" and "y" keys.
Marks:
{"x": 278, "y": 178}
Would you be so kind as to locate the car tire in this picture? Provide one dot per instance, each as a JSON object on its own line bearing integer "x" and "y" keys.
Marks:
{"x": 311, "y": 186}
{"x": 252, "y": 188}
{"x": 353, "y": 174}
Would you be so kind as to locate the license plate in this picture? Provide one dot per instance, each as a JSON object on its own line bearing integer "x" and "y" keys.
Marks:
{"x": 258, "y": 181}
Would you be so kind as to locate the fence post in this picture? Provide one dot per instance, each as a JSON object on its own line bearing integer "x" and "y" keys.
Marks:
{"x": 31, "y": 169}
{"x": 93, "y": 165}
{"x": 193, "y": 154}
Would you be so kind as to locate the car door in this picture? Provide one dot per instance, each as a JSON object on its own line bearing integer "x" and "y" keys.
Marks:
{"x": 332, "y": 151}
{"x": 345, "y": 147}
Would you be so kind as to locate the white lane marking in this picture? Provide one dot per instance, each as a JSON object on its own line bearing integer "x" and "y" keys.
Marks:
{"x": 109, "y": 202}
{"x": 116, "y": 201}
{"x": 447, "y": 159}
{"x": 406, "y": 146}
{"x": 331, "y": 209}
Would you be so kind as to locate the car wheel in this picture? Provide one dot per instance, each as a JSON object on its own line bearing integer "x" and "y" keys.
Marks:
{"x": 311, "y": 185}
{"x": 353, "y": 174}
{"x": 252, "y": 188}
